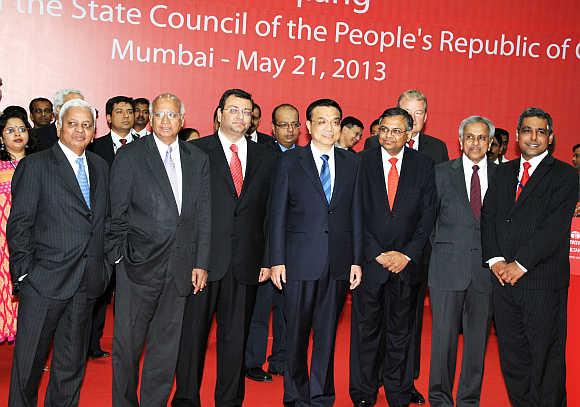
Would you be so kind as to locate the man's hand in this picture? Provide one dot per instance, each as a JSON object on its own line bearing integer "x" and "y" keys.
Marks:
{"x": 198, "y": 280}
{"x": 264, "y": 274}
{"x": 355, "y": 276}
{"x": 395, "y": 261}
{"x": 512, "y": 273}
{"x": 498, "y": 270}
{"x": 382, "y": 259}
{"x": 278, "y": 275}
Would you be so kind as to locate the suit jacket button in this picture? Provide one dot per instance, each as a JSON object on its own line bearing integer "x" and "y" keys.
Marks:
{"x": 326, "y": 231}
{"x": 508, "y": 220}
{"x": 330, "y": 212}
{"x": 85, "y": 256}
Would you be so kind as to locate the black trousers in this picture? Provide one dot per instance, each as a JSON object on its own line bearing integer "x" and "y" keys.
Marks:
{"x": 42, "y": 322}
{"x": 453, "y": 310}
{"x": 268, "y": 298}
{"x": 232, "y": 302}
{"x": 146, "y": 317}
{"x": 311, "y": 305}
{"x": 99, "y": 316}
{"x": 381, "y": 330}
{"x": 531, "y": 331}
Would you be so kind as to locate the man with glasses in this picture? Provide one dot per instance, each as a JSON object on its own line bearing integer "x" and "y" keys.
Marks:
{"x": 240, "y": 172}
{"x": 459, "y": 286}
{"x": 159, "y": 241}
{"x": 398, "y": 200}
{"x": 525, "y": 225}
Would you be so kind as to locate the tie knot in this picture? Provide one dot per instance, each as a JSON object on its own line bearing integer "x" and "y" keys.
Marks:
{"x": 325, "y": 157}
{"x": 393, "y": 160}
{"x": 475, "y": 167}
{"x": 123, "y": 141}
{"x": 80, "y": 161}
{"x": 527, "y": 166}
{"x": 234, "y": 148}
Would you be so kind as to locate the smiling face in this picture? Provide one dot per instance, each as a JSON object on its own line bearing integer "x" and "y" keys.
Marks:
{"x": 166, "y": 120}
{"x": 15, "y": 136}
{"x": 393, "y": 134}
{"x": 475, "y": 142}
{"x": 324, "y": 127}
{"x": 77, "y": 129}
{"x": 533, "y": 137}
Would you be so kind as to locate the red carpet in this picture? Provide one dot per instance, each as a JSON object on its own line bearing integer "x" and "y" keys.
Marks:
{"x": 96, "y": 390}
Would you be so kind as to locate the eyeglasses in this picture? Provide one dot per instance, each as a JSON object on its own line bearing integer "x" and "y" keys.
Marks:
{"x": 14, "y": 130}
{"x": 396, "y": 132}
{"x": 527, "y": 131}
{"x": 169, "y": 115}
{"x": 324, "y": 122}
{"x": 288, "y": 126}
{"x": 84, "y": 125}
{"x": 471, "y": 138}
{"x": 234, "y": 111}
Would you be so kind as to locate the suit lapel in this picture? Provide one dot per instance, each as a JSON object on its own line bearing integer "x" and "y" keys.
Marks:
{"x": 339, "y": 177}
{"x": 536, "y": 178}
{"x": 458, "y": 183}
{"x": 186, "y": 170}
{"x": 219, "y": 158}
{"x": 307, "y": 163}
{"x": 379, "y": 177}
{"x": 158, "y": 170}
{"x": 67, "y": 173}
{"x": 252, "y": 164}
{"x": 93, "y": 180}
{"x": 404, "y": 177}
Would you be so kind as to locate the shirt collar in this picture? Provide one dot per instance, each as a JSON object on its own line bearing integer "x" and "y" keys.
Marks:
{"x": 70, "y": 155}
{"x": 116, "y": 137}
{"x": 227, "y": 143}
{"x": 534, "y": 161}
{"x": 317, "y": 153}
{"x": 162, "y": 147}
{"x": 467, "y": 163}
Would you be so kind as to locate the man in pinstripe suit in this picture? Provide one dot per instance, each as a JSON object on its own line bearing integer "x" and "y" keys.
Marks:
{"x": 56, "y": 240}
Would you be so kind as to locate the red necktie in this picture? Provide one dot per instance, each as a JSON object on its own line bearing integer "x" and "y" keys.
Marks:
{"x": 393, "y": 181}
{"x": 524, "y": 180}
{"x": 123, "y": 141}
{"x": 411, "y": 143}
{"x": 475, "y": 193}
{"x": 236, "y": 169}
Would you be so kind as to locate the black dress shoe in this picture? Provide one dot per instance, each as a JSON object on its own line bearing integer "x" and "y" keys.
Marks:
{"x": 257, "y": 374}
{"x": 275, "y": 372}
{"x": 364, "y": 403}
{"x": 416, "y": 397}
{"x": 98, "y": 354}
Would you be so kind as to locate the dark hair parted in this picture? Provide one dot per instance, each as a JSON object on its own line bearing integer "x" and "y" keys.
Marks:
{"x": 397, "y": 111}
{"x": 239, "y": 93}
{"x": 41, "y": 99}
{"x": 350, "y": 122}
{"x": 322, "y": 103}
{"x": 30, "y": 146}
{"x": 140, "y": 101}
{"x": 536, "y": 112}
{"x": 115, "y": 100}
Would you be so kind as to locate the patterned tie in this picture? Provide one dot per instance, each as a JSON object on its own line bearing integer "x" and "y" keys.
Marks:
{"x": 172, "y": 175}
{"x": 83, "y": 180}
{"x": 524, "y": 180}
{"x": 475, "y": 193}
{"x": 325, "y": 177}
{"x": 393, "y": 182}
{"x": 411, "y": 143}
{"x": 236, "y": 169}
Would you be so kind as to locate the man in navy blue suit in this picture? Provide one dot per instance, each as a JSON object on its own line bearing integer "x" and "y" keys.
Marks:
{"x": 316, "y": 250}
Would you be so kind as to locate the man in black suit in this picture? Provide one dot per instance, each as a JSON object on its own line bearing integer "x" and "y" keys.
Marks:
{"x": 55, "y": 234}
{"x": 120, "y": 116}
{"x": 159, "y": 241}
{"x": 525, "y": 225}
{"x": 459, "y": 286}
{"x": 351, "y": 130}
{"x": 399, "y": 213}
{"x": 316, "y": 250}
{"x": 252, "y": 133}
{"x": 41, "y": 112}
{"x": 141, "y": 113}
{"x": 240, "y": 187}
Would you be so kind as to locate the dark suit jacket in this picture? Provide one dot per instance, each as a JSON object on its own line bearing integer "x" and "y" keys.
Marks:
{"x": 308, "y": 235}
{"x": 103, "y": 146}
{"x": 535, "y": 230}
{"x": 430, "y": 146}
{"x": 456, "y": 239}
{"x": 52, "y": 234}
{"x": 264, "y": 138}
{"x": 238, "y": 224}
{"x": 45, "y": 136}
{"x": 146, "y": 227}
{"x": 407, "y": 227}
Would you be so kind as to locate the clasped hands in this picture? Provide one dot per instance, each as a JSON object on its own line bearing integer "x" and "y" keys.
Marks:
{"x": 393, "y": 261}
{"x": 509, "y": 273}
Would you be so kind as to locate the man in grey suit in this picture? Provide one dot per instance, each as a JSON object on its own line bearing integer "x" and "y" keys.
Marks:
{"x": 159, "y": 240}
{"x": 459, "y": 286}
{"x": 56, "y": 239}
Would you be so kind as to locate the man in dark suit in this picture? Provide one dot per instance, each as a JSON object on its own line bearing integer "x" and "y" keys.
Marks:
{"x": 286, "y": 129}
{"x": 120, "y": 116}
{"x": 240, "y": 186}
{"x": 252, "y": 133}
{"x": 159, "y": 241}
{"x": 141, "y": 113}
{"x": 525, "y": 225}
{"x": 351, "y": 130}
{"x": 56, "y": 235}
{"x": 399, "y": 214}
{"x": 41, "y": 112}
{"x": 459, "y": 286}
{"x": 316, "y": 250}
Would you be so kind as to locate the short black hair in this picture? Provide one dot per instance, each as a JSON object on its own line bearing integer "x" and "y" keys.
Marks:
{"x": 140, "y": 101}
{"x": 350, "y": 122}
{"x": 575, "y": 147}
{"x": 115, "y": 100}
{"x": 185, "y": 132}
{"x": 239, "y": 93}
{"x": 322, "y": 103}
{"x": 13, "y": 112}
{"x": 257, "y": 106}
{"x": 536, "y": 112}
{"x": 282, "y": 106}
{"x": 16, "y": 111}
{"x": 375, "y": 123}
{"x": 40, "y": 99}
{"x": 502, "y": 132}
{"x": 397, "y": 111}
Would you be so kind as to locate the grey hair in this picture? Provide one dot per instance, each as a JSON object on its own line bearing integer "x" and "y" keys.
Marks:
{"x": 58, "y": 98}
{"x": 78, "y": 103}
{"x": 169, "y": 96}
{"x": 412, "y": 94}
{"x": 476, "y": 119}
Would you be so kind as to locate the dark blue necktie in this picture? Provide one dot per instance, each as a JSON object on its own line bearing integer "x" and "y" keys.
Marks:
{"x": 325, "y": 177}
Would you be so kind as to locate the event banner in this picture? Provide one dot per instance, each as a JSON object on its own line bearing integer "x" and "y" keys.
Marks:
{"x": 492, "y": 58}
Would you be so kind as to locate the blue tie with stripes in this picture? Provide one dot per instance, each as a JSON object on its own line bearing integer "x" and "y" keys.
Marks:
{"x": 325, "y": 177}
{"x": 83, "y": 180}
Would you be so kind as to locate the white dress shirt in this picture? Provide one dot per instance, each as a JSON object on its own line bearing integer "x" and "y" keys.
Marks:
{"x": 242, "y": 144}
{"x": 254, "y": 136}
{"x": 142, "y": 133}
{"x": 71, "y": 157}
{"x": 482, "y": 173}
{"x": 385, "y": 156}
{"x": 316, "y": 153}
{"x": 415, "y": 139}
{"x": 175, "y": 156}
{"x": 117, "y": 140}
